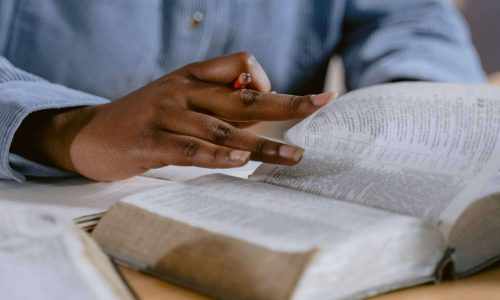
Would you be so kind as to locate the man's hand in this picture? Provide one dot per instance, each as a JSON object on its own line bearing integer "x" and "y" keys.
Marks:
{"x": 190, "y": 117}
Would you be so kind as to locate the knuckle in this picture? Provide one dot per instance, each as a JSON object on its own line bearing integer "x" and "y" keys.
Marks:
{"x": 190, "y": 149}
{"x": 190, "y": 68}
{"x": 249, "y": 97}
{"x": 220, "y": 133}
{"x": 217, "y": 154}
{"x": 294, "y": 103}
{"x": 259, "y": 147}
{"x": 244, "y": 55}
{"x": 268, "y": 148}
{"x": 247, "y": 59}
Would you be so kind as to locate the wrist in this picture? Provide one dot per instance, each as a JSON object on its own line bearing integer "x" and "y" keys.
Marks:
{"x": 45, "y": 136}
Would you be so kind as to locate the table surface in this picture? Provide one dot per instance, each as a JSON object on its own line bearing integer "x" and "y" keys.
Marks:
{"x": 485, "y": 285}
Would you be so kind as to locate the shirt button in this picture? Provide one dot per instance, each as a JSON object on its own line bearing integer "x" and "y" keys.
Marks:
{"x": 196, "y": 18}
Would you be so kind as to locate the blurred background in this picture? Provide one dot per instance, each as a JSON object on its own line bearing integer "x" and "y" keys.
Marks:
{"x": 483, "y": 18}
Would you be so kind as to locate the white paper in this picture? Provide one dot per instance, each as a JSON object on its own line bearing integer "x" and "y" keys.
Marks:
{"x": 417, "y": 148}
{"x": 176, "y": 173}
{"x": 70, "y": 197}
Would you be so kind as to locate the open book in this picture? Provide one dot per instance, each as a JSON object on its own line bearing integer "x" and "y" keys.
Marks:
{"x": 44, "y": 256}
{"x": 393, "y": 191}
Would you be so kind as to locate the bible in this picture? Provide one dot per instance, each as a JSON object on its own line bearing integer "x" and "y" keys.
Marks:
{"x": 398, "y": 187}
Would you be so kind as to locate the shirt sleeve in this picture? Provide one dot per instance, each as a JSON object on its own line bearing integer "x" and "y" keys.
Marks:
{"x": 418, "y": 39}
{"x": 22, "y": 93}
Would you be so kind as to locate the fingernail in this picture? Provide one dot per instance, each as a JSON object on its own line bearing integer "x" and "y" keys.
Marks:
{"x": 290, "y": 152}
{"x": 239, "y": 155}
{"x": 322, "y": 99}
{"x": 245, "y": 78}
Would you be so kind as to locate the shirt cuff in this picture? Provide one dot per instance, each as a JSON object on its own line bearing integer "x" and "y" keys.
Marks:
{"x": 17, "y": 101}
{"x": 27, "y": 167}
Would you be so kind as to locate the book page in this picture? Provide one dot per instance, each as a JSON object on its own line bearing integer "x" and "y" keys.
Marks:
{"x": 279, "y": 218}
{"x": 420, "y": 149}
{"x": 73, "y": 198}
{"x": 42, "y": 257}
{"x": 491, "y": 188}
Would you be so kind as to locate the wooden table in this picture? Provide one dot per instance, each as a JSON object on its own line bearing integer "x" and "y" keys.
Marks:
{"x": 485, "y": 285}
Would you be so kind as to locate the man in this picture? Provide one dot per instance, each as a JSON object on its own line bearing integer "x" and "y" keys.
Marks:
{"x": 103, "y": 50}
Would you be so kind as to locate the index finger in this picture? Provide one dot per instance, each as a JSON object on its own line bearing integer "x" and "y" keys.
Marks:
{"x": 250, "y": 105}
